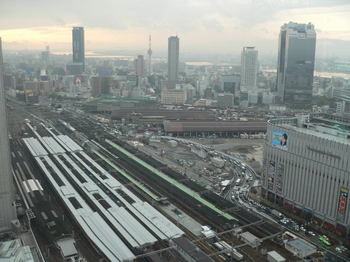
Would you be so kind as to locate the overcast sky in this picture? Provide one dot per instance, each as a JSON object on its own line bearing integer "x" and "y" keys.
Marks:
{"x": 204, "y": 26}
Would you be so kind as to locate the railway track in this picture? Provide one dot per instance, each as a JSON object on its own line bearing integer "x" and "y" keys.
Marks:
{"x": 139, "y": 173}
{"x": 188, "y": 204}
{"x": 244, "y": 216}
{"x": 256, "y": 228}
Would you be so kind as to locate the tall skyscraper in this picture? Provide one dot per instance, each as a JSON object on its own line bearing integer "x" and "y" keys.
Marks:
{"x": 149, "y": 52}
{"x": 173, "y": 60}
{"x": 7, "y": 211}
{"x": 78, "y": 46}
{"x": 249, "y": 68}
{"x": 140, "y": 65}
{"x": 296, "y": 62}
{"x": 101, "y": 85}
{"x": 45, "y": 55}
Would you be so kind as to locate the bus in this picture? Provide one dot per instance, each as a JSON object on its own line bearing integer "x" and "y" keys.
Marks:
{"x": 325, "y": 241}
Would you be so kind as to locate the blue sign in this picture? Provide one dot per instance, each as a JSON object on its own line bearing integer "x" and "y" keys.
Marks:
{"x": 280, "y": 139}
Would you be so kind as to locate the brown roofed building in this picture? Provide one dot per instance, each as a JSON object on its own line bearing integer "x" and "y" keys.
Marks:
{"x": 220, "y": 128}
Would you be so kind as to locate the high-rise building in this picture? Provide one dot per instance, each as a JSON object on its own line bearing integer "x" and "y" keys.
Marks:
{"x": 173, "y": 96}
{"x": 230, "y": 84}
{"x": 249, "y": 68}
{"x": 149, "y": 52}
{"x": 45, "y": 55}
{"x": 296, "y": 62}
{"x": 7, "y": 211}
{"x": 340, "y": 107}
{"x": 78, "y": 46}
{"x": 173, "y": 60}
{"x": 306, "y": 168}
{"x": 253, "y": 98}
{"x": 101, "y": 85}
{"x": 140, "y": 65}
{"x": 225, "y": 100}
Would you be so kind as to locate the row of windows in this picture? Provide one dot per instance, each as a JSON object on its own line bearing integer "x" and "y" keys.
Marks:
{"x": 312, "y": 183}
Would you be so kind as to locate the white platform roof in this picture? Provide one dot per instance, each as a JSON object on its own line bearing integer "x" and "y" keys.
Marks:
{"x": 91, "y": 223}
{"x": 158, "y": 220}
{"x": 52, "y": 146}
{"x": 35, "y": 148}
{"x": 123, "y": 218}
{"x": 132, "y": 230}
{"x": 276, "y": 256}
{"x": 68, "y": 143}
{"x": 150, "y": 216}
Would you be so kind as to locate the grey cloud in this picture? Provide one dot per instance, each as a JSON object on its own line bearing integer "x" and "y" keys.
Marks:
{"x": 196, "y": 21}
{"x": 168, "y": 14}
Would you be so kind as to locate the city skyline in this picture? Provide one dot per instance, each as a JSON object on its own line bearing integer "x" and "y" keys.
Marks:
{"x": 119, "y": 143}
{"x": 204, "y": 27}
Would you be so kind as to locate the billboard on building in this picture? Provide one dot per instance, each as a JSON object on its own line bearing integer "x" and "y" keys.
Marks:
{"x": 280, "y": 139}
{"x": 343, "y": 199}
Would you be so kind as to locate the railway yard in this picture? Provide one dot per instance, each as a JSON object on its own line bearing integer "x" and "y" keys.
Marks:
{"x": 79, "y": 179}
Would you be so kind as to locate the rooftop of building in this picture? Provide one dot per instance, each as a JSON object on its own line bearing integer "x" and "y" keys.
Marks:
{"x": 325, "y": 126}
{"x": 13, "y": 250}
{"x": 276, "y": 256}
{"x": 191, "y": 249}
{"x": 225, "y": 94}
{"x": 118, "y": 100}
{"x": 67, "y": 247}
{"x": 298, "y": 26}
{"x": 301, "y": 245}
{"x": 215, "y": 126}
{"x": 249, "y": 48}
{"x": 164, "y": 114}
{"x": 250, "y": 237}
{"x": 175, "y": 90}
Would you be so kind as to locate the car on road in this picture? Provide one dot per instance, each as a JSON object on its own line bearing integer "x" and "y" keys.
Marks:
{"x": 341, "y": 249}
{"x": 310, "y": 233}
